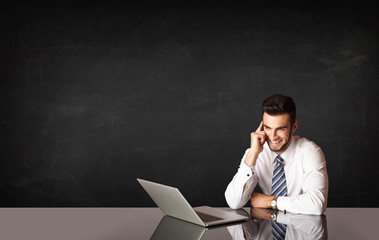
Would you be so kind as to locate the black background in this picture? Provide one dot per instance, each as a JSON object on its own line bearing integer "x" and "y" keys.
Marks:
{"x": 94, "y": 95}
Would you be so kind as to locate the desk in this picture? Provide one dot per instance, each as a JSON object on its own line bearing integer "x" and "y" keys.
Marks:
{"x": 140, "y": 223}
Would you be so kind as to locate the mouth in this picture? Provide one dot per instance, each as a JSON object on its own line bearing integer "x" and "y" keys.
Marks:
{"x": 276, "y": 142}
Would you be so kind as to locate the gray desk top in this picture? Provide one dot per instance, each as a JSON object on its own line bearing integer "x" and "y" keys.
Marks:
{"x": 141, "y": 223}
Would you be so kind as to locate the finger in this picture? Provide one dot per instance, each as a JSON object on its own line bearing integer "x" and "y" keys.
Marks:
{"x": 260, "y": 127}
{"x": 262, "y": 139}
{"x": 261, "y": 136}
{"x": 257, "y": 136}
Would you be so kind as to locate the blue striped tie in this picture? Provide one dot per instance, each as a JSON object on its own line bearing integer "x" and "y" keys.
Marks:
{"x": 278, "y": 231}
{"x": 279, "y": 185}
{"x": 279, "y": 188}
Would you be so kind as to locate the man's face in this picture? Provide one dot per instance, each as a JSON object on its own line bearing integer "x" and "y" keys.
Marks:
{"x": 278, "y": 131}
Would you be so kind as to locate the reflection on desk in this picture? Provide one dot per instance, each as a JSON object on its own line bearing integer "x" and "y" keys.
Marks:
{"x": 171, "y": 228}
{"x": 141, "y": 224}
{"x": 257, "y": 227}
{"x": 298, "y": 226}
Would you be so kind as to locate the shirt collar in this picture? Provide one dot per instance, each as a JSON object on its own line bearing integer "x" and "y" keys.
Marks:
{"x": 288, "y": 153}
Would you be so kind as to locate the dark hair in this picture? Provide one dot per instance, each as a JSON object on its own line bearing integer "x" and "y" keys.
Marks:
{"x": 279, "y": 104}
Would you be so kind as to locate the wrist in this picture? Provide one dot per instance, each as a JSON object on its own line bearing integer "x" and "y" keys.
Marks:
{"x": 274, "y": 215}
{"x": 251, "y": 158}
{"x": 273, "y": 202}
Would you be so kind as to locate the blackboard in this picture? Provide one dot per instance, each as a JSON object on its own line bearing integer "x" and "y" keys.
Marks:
{"x": 95, "y": 95}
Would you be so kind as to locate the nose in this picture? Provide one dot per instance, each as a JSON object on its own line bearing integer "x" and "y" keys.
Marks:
{"x": 273, "y": 134}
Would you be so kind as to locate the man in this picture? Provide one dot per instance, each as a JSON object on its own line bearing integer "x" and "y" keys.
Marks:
{"x": 291, "y": 171}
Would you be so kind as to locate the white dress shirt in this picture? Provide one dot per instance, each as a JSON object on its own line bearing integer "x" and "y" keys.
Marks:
{"x": 306, "y": 178}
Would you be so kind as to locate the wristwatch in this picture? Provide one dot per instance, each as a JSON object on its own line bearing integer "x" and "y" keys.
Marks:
{"x": 273, "y": 203}
{"x": 273, "y": 216}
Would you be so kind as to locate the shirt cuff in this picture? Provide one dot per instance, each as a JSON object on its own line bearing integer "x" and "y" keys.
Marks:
{"x": 283, "y": 218}
{"x": 283, "y": 203}
{"x": 246, "y": 170}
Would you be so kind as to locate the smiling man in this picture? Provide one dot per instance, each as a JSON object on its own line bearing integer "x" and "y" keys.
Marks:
{"x": 290, "y": 170}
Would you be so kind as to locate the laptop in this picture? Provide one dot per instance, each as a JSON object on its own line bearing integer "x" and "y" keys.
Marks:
{"x": 173, "y": 203}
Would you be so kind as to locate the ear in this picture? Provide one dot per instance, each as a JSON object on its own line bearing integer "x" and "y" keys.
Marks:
{"x": 294, "y": 126}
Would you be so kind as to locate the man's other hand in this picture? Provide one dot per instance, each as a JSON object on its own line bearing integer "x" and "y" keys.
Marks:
{"x": 259, "y": 200}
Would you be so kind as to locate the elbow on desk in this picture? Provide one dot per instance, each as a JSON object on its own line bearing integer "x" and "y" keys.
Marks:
{"x": 309, "y": 210}
{"x": 235, "y": 206}
{"x": 318, "y": 207}
{"x": 233, "y": 203}
{"x": 319, "y": 204}
{"x": 317, "y": 210}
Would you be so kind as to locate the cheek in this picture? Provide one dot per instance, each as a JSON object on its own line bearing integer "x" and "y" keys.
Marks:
{"x": 289, "y": 135}
{"x": 284, "y": 135}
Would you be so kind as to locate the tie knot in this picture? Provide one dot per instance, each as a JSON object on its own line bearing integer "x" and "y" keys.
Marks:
{"x": 279, "y": 159}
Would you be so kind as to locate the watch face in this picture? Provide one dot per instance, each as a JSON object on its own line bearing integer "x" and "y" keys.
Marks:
{"x": 273, "y": 204}
{"x": 273, "y": 216}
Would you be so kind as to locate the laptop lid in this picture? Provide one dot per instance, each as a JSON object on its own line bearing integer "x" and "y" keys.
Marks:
{"x": 171, "y": 201}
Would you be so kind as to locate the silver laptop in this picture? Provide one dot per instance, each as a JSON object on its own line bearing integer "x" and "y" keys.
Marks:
{"x": 172, "y": 203}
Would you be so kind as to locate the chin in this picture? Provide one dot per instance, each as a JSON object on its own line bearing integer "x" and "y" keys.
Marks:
{"x": 276, "y": 149}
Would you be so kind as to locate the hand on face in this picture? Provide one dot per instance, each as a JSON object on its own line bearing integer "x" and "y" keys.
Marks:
{"x": 258, "y": 138}
{"x": 277, "y": 133}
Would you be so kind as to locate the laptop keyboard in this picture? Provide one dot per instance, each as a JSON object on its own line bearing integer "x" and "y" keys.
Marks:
{"x": 207, "y": 218}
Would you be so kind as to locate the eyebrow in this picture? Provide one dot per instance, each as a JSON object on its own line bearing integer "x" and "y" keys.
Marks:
{"x": 276, "y": 128}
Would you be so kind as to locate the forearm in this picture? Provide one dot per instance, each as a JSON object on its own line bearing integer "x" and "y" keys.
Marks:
{"x": 313, "y": 202}
{"x": 251, "y": 158}
{"x": 260, "y": 200}
{"x": 240, "y": 188}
